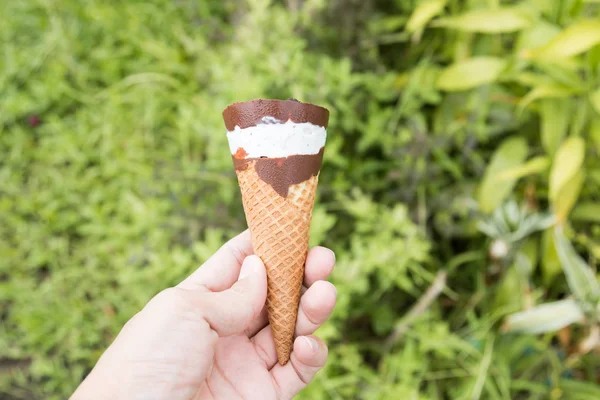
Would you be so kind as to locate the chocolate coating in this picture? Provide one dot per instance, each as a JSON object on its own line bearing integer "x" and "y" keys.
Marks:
{"x": 281, "y": 173}
{"x": 251, "y": 113}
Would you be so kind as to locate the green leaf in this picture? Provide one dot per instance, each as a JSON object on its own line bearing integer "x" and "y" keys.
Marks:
{"x": 509, "y": 292}
{"x": 536, "y": 36}
{"x": 550, "y": 263}
{"x": 575, "y": 389}
{"x": 532, "y": 79}
{"x": 531, "y": 250}
{"x": 566, "y": 73}
{"x": 496, "y": 20}
{"x": 595, "y": 100}
{"x": 555, "y": 115}
{"x": 383, "y": 319}
{"x": 424, "y": 13}
{"x": 568, "y": 196}
{"x": 534, "y": 166}
{"x": 580, "y": 118}
{"x": 546, "y": 91}
{"x": 471, "y": 73}
{"x": 566, "y": 177}
{"x": 595, "y": 132}
{"x": 390, "y": 24}
{"x": 574, "y": 40}
{"x": 494, "y": 189}
{"x": 580, "y": 277}
{"x": 567, "y": 162}
{"x": 548, "y": 317}
{"x": 586, "y": 212}
{"x": 544, "y": 6}
{"x": 562, "y": 76}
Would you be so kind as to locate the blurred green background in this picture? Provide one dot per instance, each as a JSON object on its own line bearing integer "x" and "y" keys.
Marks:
{"x": 460, "y": 188}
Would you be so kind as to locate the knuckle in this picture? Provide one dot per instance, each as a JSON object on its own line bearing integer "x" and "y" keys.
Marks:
{"x": 167, "y": 296}
{"x": 181, "y": 303}
{"x": 235, "y": 251}
{"x": 240, "y": 299}
{"x": 309, "y": 312}
{"x": 169, "y": 300}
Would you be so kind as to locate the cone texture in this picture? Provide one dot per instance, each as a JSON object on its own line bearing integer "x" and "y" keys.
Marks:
{"x": 280, "y": 229}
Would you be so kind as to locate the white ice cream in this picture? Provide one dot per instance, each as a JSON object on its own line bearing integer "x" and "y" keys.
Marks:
{"x": 274, "y": 139}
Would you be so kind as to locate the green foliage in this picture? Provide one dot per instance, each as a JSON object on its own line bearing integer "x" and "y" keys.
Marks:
{"x": 495, "y": 186}
{"x": 446, "y": 117}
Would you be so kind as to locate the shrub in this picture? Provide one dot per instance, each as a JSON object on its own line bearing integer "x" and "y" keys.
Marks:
{"x": 460, "y": 180}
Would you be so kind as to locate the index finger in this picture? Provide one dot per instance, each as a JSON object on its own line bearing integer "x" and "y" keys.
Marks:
{"x": 222, "y": 269}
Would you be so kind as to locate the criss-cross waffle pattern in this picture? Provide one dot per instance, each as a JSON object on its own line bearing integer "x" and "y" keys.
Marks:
{"x": 279, "y": 228}
{"x": 302, "y": 196}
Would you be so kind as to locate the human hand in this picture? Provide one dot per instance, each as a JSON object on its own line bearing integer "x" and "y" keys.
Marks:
{"x": 209, "y": 338}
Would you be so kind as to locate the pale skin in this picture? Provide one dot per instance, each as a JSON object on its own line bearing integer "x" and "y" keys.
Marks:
{"x": 209, "y": 337}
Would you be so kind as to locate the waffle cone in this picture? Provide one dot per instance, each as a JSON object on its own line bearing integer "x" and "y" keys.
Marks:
{"x": 279, "y": 227}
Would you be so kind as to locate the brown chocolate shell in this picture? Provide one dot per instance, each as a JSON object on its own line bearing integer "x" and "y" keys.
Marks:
{"x": 253, "y": 112}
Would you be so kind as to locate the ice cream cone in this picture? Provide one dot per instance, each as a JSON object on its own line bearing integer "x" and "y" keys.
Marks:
{"x": 277, "y": 148}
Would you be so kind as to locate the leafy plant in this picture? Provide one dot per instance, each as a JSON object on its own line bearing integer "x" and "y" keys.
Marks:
{"x": 458, "y": 129}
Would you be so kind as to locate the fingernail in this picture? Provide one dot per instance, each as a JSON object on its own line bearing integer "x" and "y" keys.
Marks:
{"x": 333, "y": 255}
{"x": 314, "y": 345}
{"x": 249, "y": 267}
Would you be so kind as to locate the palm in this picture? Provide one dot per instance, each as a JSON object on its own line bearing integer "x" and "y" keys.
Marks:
{"x": 238, "y": 372}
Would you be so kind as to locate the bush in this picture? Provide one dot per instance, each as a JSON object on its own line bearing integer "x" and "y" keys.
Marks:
{"x": 460, "y": 186}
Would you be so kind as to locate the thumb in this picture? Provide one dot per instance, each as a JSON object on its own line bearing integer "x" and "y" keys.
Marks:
{"x": 232, "y": 310}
